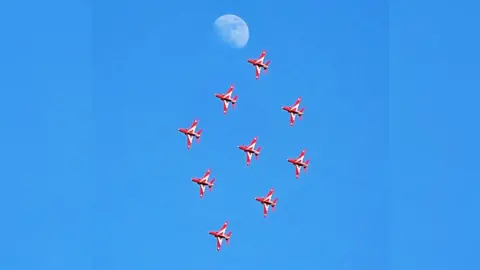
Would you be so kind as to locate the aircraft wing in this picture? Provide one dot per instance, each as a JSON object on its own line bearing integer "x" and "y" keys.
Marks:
{"x": 189, "y": 140}
{"x": 225, "y": 106}
{"x": 292, "y": 119}
{"x": 258, "y": 69}
{"x": 295, "y": 106}
{"x": 219, "y": 243}
{"x": 297, "y": 170}
{"x": 223, "y": 229}
{"x": 262, "y": 56}
{"x": 301, "y": 156}
{"x": 229, "y": 92}
{"x": 269, "y": 195}
{"x": 206, "y": 175}
{"x": 252, "y": 143}
{"x": 193, "y": 126}
{"x": 249, "y": 157}
{"x": 265, "y": 209}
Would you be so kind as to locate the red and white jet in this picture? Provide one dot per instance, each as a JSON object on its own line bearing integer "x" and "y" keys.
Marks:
{"x": 250, "y": 150}
{"x": 190, "y": 132}
{"x": 294, "y": 111}
{"x": 298, "y": 163}
{"x": 203, "y": 182}
{"x": 267, "y": 202}
{"x": 227, "y": 98}
{"x": 258, "y": 64}
{"x": 220, "y": 235}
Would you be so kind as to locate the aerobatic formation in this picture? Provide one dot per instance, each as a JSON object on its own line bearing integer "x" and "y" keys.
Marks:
{"x": 249, "y": 149}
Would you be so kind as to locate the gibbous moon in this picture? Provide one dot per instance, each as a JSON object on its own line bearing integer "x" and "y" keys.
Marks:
{"x": 233, "y": 30}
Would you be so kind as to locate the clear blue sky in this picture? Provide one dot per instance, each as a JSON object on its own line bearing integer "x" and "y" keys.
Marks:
{"x": 95, "y": 175}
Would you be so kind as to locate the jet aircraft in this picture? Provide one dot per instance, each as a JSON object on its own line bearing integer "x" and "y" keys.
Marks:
{"x": 227, "y": 99}
{"x": 294, "y": 111}
{"x": 203, "y": 182}
{"x": 267, "y": 202}
{"x": 258, "y": 64}
{"x": 298, "y": 163}
{"x": 190, "y": 133}
{"x": 250, "y": 150}
{"x": 220, "y": 235}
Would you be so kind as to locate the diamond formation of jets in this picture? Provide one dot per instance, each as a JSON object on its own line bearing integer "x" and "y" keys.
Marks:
{"x": 294, "y": 111}
{"x": 203, "y": 182}
{"x": 227, "y": 99}
{"x": 298, "y": 163}
{"x": 258, "y": 64}
{"x": 221, "y": 235}
{"x": 249, "y": 150}
{"x": 190, "y": 133}
{"x": 267, "y": 202}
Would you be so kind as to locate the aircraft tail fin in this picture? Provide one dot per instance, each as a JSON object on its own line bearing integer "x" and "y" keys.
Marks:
{"x": 228, "y": 237}
{"x": 306, "y": 165}
{"x": 199, "y": 133}
{"x": 274, "y": 203}
{"x": 211, "y": 184}
{"x": 258, "y": 152}
{"x": 301, "y": 111}
{"x": 266, "y": 65}
{"x": 234, "y": 101}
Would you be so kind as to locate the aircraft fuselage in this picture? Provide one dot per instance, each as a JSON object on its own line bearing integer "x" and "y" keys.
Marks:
{"x": 302, "y": 164}
{"x": 262, "y": 200}
{"x": 192, "y": 134}
{"x": 292, "y": 111}
{"x": 198, "y": 181}
{"x": 228, "y": 99}
{"x": 223, "y": 236}
{"x": 255, "y": 63}
{"x": 186, "y": 132}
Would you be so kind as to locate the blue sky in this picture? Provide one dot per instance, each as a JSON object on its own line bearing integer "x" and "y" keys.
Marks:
{"x": 95, "y": 174}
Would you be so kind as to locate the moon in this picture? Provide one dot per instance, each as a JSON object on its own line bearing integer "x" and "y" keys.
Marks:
{"x": 233, "y": 30}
